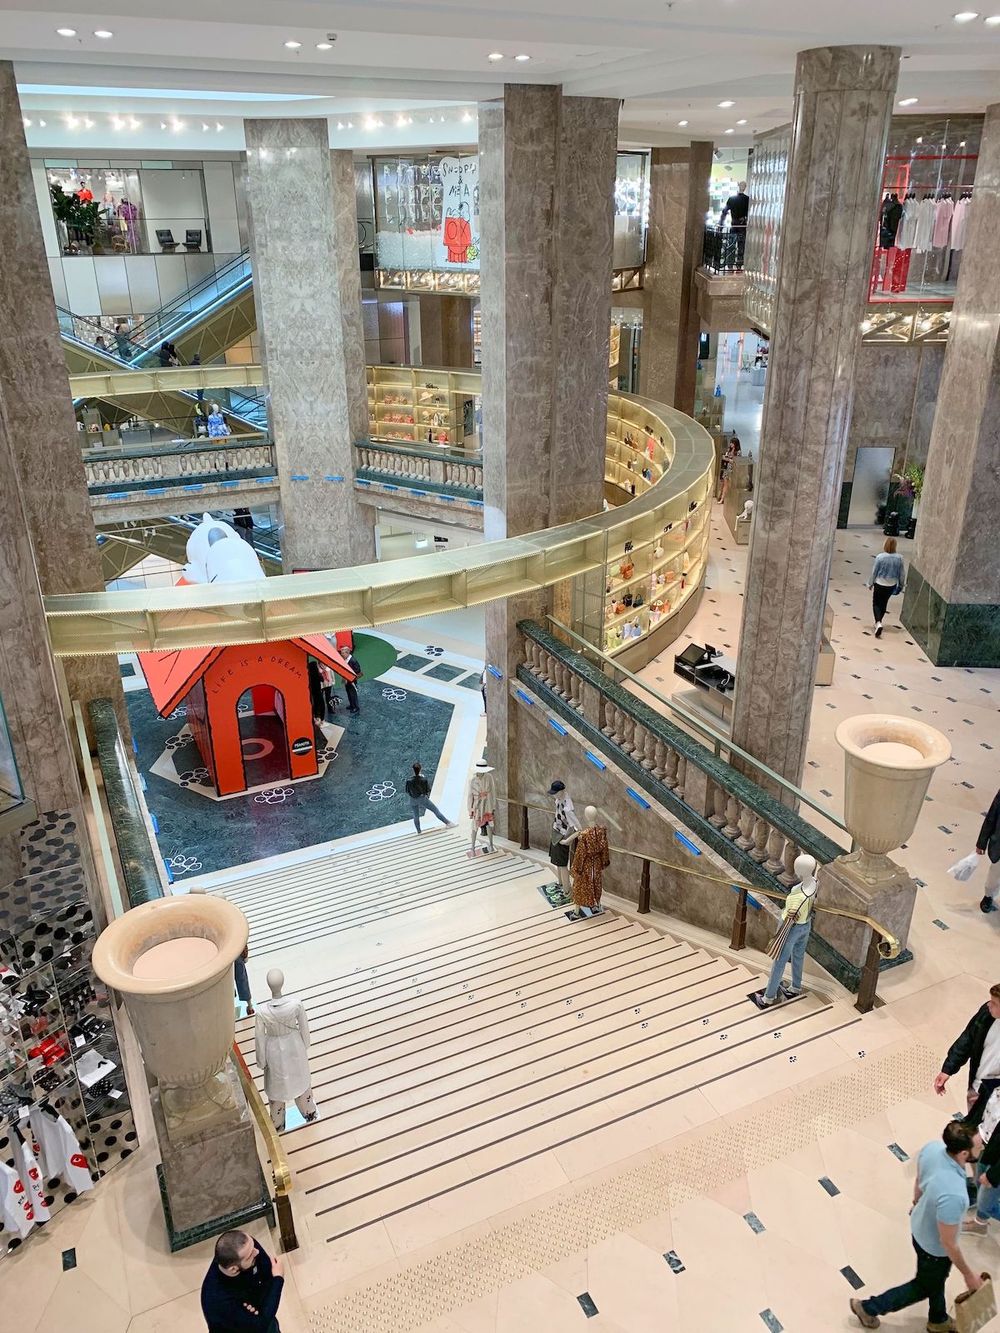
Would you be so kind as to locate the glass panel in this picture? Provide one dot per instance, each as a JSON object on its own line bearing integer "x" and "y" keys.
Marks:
{"x": 427, "y": 218}
{"x": 11, "y": 791}
{"x": 158, "y": 209}
{"x": 631, "y": 209}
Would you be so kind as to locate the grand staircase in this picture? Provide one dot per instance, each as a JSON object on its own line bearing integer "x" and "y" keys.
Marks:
{"x": 452, "y": 1062}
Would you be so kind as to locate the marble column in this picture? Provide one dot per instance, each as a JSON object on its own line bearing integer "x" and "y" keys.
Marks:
{"x": 546, "y": 182}
{"x": 678, "y": 203}
{"x": 41, "y": 423}
{"x": 952, "y": 602}
{"x": 843, "y": 102}
{"x": 307, "y": 287}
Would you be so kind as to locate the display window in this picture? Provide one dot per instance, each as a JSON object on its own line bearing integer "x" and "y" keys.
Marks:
{"x": 927, "y": 189}
{"x": 152, "y": 208}
{"x": 11, "y": 788}
{"x": 631, "y": 210}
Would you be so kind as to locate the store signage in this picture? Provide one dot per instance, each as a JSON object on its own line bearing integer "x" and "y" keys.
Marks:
{"x": 460, "y": 209}
{"x": 302, "y": 746}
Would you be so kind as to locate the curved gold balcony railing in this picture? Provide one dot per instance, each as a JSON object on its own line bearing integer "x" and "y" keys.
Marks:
{"x": 376, "y": 594}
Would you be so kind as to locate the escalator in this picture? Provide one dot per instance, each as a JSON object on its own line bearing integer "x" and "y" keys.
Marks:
{"x": 204, "y": 322}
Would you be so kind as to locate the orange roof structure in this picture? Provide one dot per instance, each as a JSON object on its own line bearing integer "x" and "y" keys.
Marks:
{"x": 172, "y": 675}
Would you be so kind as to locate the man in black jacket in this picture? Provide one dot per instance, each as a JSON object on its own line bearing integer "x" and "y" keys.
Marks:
{"x": 978, "y": 1046}
{"x": 988, "y": 843}
{"x": 242, "y": 1289}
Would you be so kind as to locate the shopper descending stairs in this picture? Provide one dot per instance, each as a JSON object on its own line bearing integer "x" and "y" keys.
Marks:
{"x": 343, "y": 890}
{"x": 459, "y": 1054}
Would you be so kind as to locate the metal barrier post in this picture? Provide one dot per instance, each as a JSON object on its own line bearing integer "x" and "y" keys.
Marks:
{"x": 644, "y": 887}
{"x": 525, "y": 839}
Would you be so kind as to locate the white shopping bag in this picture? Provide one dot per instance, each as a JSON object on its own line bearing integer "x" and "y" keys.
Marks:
{"x": 966, "y": 868}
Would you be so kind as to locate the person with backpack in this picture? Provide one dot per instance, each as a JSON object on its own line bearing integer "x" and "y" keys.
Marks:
{"x": 418, "y": 789}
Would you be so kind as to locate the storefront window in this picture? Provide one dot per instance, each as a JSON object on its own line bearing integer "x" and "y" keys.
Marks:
{"x": 427, "y": 213}
{"x": 631, "y": 209}
{"x": 143, "y": 208}
{"x": 927, "y": 186}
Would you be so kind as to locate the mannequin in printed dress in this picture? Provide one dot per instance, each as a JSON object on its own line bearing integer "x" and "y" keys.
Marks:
{"x": 281, "y": 1036}
{"x": 217, "y": 428}
{"x": 564, "y": 822}
{"x": 482, "y": 803}
{"x": 590, "y": 860}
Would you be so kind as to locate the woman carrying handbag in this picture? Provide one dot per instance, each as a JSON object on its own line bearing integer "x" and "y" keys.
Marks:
{"x": 789, "y": 943}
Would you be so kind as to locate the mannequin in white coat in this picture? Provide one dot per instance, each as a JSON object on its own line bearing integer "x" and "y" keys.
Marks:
{"x": 282, "y": 1040}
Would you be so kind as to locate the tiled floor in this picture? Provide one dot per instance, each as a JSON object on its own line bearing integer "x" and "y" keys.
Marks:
{"x": 760, "y": 1203}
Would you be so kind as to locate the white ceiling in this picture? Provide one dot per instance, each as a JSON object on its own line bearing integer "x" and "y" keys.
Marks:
{"x": 214, "y": 61}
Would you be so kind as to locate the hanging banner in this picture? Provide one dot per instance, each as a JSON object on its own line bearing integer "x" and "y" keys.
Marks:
{"x": 460, "y": 209}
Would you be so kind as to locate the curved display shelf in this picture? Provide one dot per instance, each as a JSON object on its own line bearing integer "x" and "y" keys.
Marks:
{"x": 161, "y": 619}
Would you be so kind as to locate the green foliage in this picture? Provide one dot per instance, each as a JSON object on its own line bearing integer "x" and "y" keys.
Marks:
{"x": 75, "y": 213}
{"x": 912, "y": 482}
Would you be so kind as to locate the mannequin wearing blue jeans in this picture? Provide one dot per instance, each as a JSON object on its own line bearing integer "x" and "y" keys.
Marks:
{"x": 798, "y": 909}
{"x": 794, "y": 951}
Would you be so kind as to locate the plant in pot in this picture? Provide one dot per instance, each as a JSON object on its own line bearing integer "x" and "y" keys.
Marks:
{"x": 80, "y": 219}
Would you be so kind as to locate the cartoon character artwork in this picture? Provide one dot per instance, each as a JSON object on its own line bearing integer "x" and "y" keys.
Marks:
{"x": 460, "y": 209}
{"x": 458, "y": 236}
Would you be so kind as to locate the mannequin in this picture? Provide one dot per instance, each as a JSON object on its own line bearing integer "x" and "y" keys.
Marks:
{"x": 590, "y": 860}
{"x": 217, "y": 427}
{"x": 482, "y": 804}
{"x": 564, "y": 821}
{"x": 282, "y": 1040}
{"x": 798, "y": 910}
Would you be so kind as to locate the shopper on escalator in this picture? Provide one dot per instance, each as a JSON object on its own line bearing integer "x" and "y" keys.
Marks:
{"x": 169, "y": 356}
{"x": 122, "y": 344}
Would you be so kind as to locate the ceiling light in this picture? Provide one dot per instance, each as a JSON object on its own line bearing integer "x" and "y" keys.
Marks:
{"x": 522, "y": 57}
{"x": 72, "y": 122}
{"x": 370, "y": 123}
{"x": 340, "y": 124}
{"x": 466, "y": 117}
{"x": 41, "y": 124}
{"x": 730, "y": 131}
{"x": 350, "y": 124}
{"x": 324, "y": 46}
{"x": 682, "y": 123}
{"x": 117, "y": 122}
{"x": 88, "y": 122}
{"x": 966, "y": 16}
{"x": 204, "y": 128}
{"x": 163, "y": 124}
{"x": 176, "y": 125}
{"x": 920, "y": 138}
{"x": 495, "y": 55}
{"x": 218, "y": 126}
{"x": 293, "y": 45}
{"x": 992, "y": 20}
{"x": 66, "y": 32}
{"x": 727, "y": 104}
{"x": 908, "y": 101}
{"x": 741, "y": 122}
{"x": 400, "y": 122}
{"x": 104, "y": 34}
{"x": 26, "y": 122}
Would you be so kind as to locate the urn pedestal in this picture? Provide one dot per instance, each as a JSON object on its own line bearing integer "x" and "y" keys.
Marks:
{"x": 172, "y": 962}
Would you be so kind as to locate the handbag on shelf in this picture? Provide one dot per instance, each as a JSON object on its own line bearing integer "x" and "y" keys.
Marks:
{"x": 975, "y": 1309}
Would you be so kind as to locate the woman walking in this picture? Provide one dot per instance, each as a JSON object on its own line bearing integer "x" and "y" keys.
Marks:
{"x": 888, "y": 577}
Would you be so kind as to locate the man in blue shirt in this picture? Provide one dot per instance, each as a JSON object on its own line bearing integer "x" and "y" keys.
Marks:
{"x": 940, "y": 1199}
{"x": 242, "y": 1289}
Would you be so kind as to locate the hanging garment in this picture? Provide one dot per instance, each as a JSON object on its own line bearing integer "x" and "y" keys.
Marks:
{"x": 482, "y": 799}
{"x": 907, "y": 233}
{"x": 281, "y": 1034}
{"x": 959, "y": 223}
{"x": 59, "y": 1151}
{"x": 943, "y": 212}
{"x": 925, "y": 226}
{"x": 31, "y": 1179}
{"x": 590, "y": 859}
{"x": 892, "y": 213}
{"x": 900, "y": 270}
{"x": 16, "y": 1212}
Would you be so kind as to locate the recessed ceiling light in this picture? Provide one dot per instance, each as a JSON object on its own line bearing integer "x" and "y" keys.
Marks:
{"x": 134, "y": 124}
{"x": 466, "y": 117}
{"x": 727, "y": 104}
{"x": 105, "y": 34}
{"x": 730, "y": 131}
{"x": 522, "y": 57}
{"x": 340, "y": 124}
{"x": 350, "y": 124}
{"x": 218, "y": 126}
{"x": 66, "y": 32}
{"x": 992, "y": 20}
{"x": 741, "y": 122}
{"x": 495, "y": 55}
{"x": 27, "y": 122}
{"x": 682, "y": 123}
{"x": 41, "y": 124}
{"x": 324, "y": 46}
{"x": 966, "y": 16}
{"x": 293, "y": 45}
{"x": 88, "y": 122}
{"x": 908, "y": 101}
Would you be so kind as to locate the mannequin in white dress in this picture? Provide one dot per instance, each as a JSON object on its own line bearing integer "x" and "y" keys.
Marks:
{"x": 282, "y": 1041}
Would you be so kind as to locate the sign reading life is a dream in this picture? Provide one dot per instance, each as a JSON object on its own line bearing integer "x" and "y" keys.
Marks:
{"x": 460, "y": 209}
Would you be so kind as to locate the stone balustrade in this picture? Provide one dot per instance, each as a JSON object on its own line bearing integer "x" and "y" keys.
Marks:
{"x": 419, "y": 467}
{"x": 163, "y": 465}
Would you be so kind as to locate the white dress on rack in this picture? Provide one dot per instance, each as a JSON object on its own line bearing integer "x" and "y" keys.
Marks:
{"x": 959, "y": 222}
{"x": 907, "y": 233}
{"x": 925, "y": 226}
{"x": 282, "y": 1040}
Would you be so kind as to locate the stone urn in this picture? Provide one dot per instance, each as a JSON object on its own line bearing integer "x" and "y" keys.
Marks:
{"x": 888, "y": 763}
{"x": 172, "y": 960}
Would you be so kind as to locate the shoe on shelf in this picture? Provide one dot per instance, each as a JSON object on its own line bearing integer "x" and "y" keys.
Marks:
{"x": 986, "y": 903}
{"x": 878, "y": 630}
{"x": 865, "y": 1319}
{"x": 973, "y": 1227}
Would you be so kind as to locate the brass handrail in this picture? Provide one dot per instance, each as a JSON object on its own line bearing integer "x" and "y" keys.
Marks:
{"x": 280, "y": 1169}
{"x": 882, "y": 942}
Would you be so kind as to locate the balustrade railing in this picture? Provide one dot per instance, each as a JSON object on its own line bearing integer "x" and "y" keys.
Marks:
{"x": 157, "y": 464}
{"x": 433, "y": 470}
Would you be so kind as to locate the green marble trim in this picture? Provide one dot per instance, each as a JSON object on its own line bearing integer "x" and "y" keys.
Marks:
{"x": 952, "y": 634}
{"x": 180, "y": 483}
{"x": 845, "y": 503}
{"x": 724, "y": 775}
{"x": 180, "y": 1240}
{"x": 417, "y": 484}
{"x": 139, "y": 860}
{"x": 828, "y": 957}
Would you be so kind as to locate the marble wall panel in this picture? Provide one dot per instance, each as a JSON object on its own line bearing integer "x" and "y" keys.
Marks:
{"x": 301, "y": 227}
{"x": 843, "y": 101}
